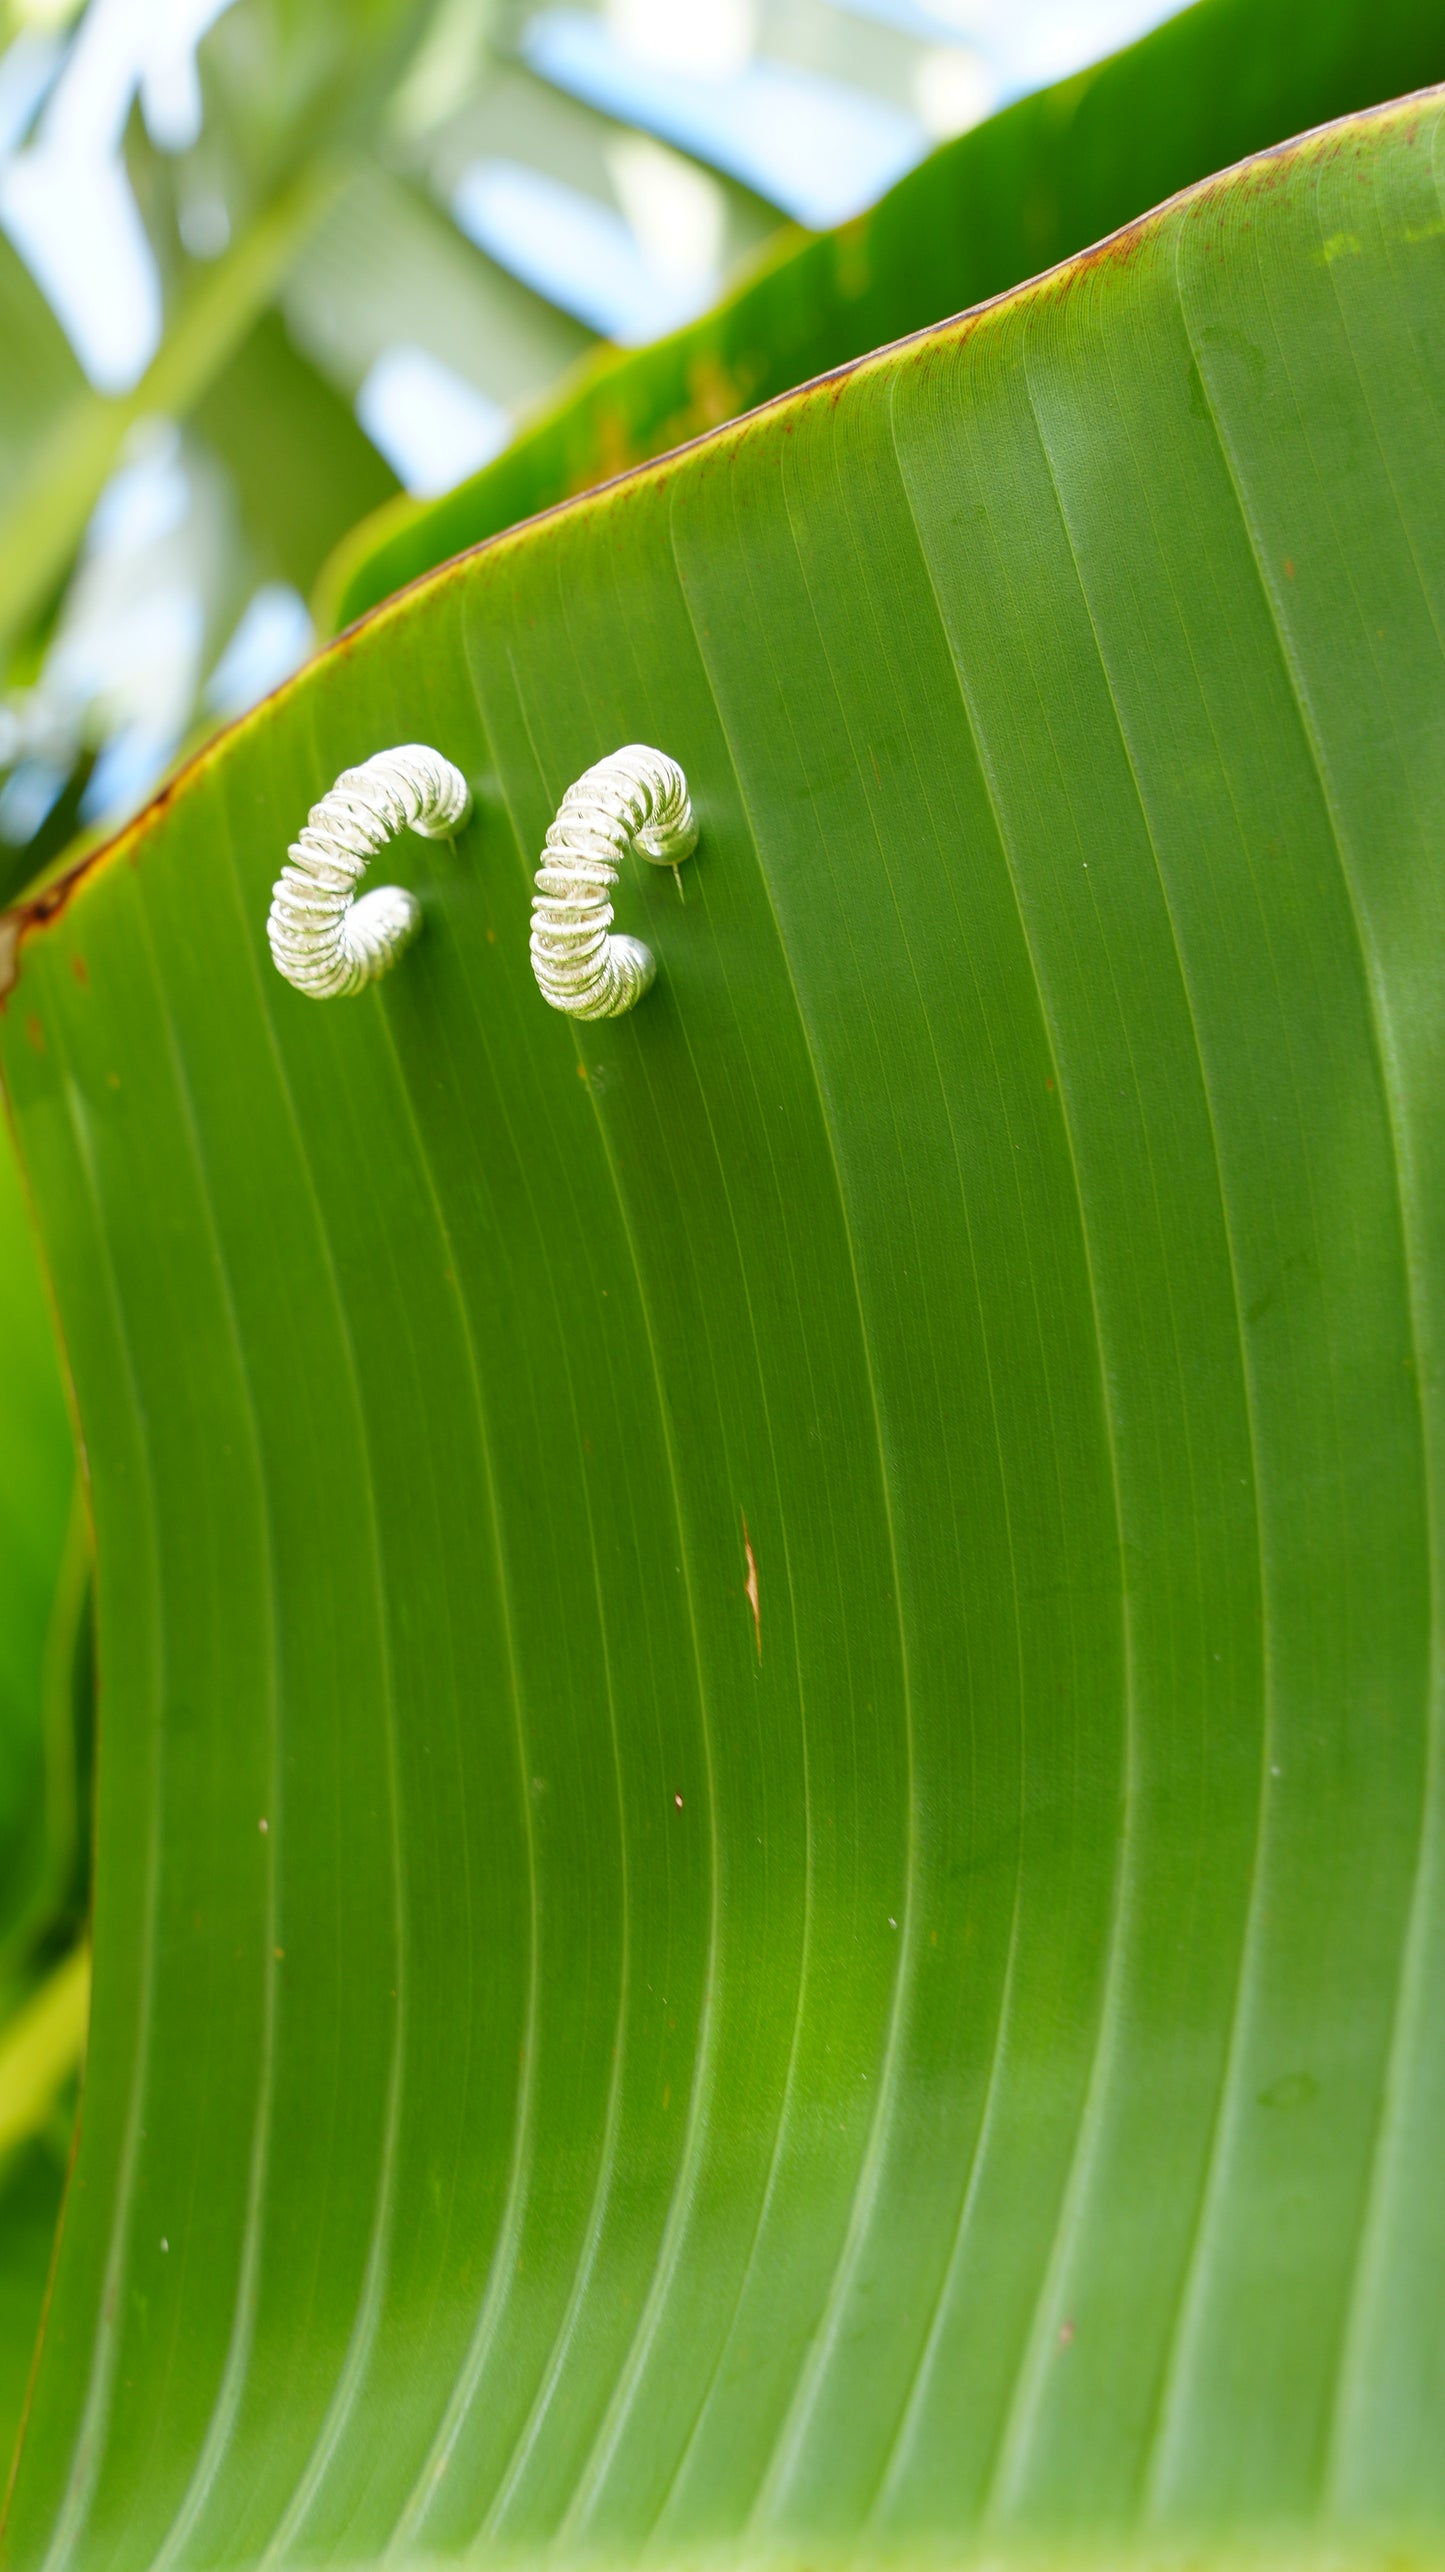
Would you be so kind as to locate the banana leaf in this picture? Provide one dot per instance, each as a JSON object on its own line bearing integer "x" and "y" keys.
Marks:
{"x": 1051, "y": 174}
{"x": 44, "y": 1568}
{"x": 302, "y": 468}
{"x": 771, "y": 1853}
{"x": 37, "y": 1475}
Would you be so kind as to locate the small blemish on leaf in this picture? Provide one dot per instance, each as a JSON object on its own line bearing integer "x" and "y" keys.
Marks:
{"x": 750, "y": 1586}
{"x": 1292, "y": 2090}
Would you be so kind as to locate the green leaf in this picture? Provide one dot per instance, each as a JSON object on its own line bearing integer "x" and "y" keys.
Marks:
{"x": 294, "y": 100}
{"x": 43, "y": 513}
{"x": 388, "y": 266}
{"x": 40, "y": 2049}
{"x": 42, "y": 378}
{"x": 30, "y": 2193}
{"x": 44, "y": 1578}
{"x": 772, "y": 1807}
{"x": 1048, "y": 176}
{"x": 303, "y": 470}
{"x": 37, "y": 1474}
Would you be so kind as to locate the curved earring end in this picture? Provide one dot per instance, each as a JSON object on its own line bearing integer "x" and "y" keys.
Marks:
{"x": 326, "y": 942}
{"x": 636, "y": 798}
{"x": 668, "y": 843}
{"x": 382, "y": 927}
{"x": 635, "y": 967}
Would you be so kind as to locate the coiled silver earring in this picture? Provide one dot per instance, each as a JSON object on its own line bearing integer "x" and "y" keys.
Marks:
{"x": 322, "y": 939}
{"x": 638, "y": 799}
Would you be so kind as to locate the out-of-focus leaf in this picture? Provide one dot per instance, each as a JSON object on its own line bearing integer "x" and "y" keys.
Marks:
{"x": 1046, "y": 177}
{"x": 771, "y": 1875}
{"x": 283, "y": 82}
{"x": 37, "y": 1472}
{"x": 517, "y": 117}
{"x": 44, "y": 1781}
{"x": 49, "y": 1894}
{"x": 31, "y": 2184}
{"x": 294, "y": 92}
{"x": 388, "y": 267}
{"x": 42, "y": 380}
{"x": 22, "y": 866}
{"x": 47, "y": 507}
{"x": 40, "y": 2048}
{"x": 303, "y": 470}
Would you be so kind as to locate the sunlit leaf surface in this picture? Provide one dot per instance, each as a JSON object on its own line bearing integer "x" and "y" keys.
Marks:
{"x": 770, "y": 1862}
{"x": 1050, "y": 175}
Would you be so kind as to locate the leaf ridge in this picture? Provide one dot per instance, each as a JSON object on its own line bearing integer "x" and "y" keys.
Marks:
{"x": 465, "y": 2391}
{"x": 1114, "y": 1998}
{"x": 1370, "y": 979}
{"x": 591, "y": 2480}
{"x": 369, "y": 2305}
{"x": 1165, "y": 2428}
{"x": 238, "y": 2354}
{"x": 840, "y": 1199}
{"x": 86, "y": 2458}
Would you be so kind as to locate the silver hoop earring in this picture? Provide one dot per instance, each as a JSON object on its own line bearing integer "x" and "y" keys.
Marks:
{"x": 638, "y": 799}
{"x": 326, "y": 942}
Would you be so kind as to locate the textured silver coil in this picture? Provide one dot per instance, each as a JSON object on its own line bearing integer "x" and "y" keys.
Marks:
{"x": 324, "y": 940}
{"x": 638, "y": 799}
